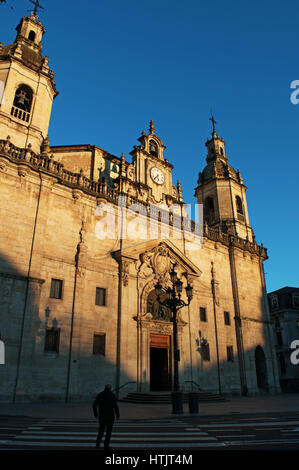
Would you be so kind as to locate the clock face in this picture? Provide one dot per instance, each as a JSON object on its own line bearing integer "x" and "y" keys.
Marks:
{"x": 157, "y": 175}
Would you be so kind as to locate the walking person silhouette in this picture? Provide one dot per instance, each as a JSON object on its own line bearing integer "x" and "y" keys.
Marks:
{"x": 105, "y": 408}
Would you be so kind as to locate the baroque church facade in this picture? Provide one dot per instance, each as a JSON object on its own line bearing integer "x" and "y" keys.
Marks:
{"x": 85, "y": 237}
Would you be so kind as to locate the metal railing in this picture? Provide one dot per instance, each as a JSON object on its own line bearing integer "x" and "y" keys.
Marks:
{"x": 116, "y": 390}
{"x": 193, "y": 383}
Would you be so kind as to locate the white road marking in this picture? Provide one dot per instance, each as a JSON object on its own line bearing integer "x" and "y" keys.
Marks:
{"x": 151, "y": 434}
{"x": 281, "y": 423}
{"x": 267, "y": 442}
{"x": 243, "y": 435}
{"x": 169, "y": 445}
{"x": 116, "y": 438}
{"x": 224, "y": 430}
{"x": 291, "y": 430}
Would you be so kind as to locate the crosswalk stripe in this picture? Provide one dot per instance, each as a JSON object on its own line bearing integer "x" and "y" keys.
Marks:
{"x": 117, "y": 438}
{"x": 231, "y": 425}
{"x": 237, "y": 437}
{"x": 169, "y": 445}
{"x": 261, "y": 442}
{"x": 118, "y": 421}
{"x": 126, "y": 434}
{"x": 151, "y": 434}
{"x": 94, "y": 425}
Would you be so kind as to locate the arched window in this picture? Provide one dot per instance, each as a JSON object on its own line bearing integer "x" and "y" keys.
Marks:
{"x": 31, "y": 36}
{"x": 261, "y": 368}
{"x": 239, "y": 205}
{"x": 158, "y": 311}
{"x": 153, "y": 148}
{"x": 22, "y": 103}
{"x": 209, "y": 209}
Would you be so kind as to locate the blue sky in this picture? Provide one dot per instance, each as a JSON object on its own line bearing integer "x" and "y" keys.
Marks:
{"x": 119, "y": 64}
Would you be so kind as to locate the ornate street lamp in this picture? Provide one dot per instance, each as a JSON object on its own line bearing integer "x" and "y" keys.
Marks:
{"x": 174, "y": 302}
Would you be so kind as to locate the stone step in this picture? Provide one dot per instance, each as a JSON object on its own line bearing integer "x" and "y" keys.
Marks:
{"x": 165, "y": 397}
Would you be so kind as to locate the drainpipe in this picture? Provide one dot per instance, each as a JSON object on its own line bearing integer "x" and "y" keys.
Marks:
{"x": 268, "y": 321}
{"x": 26, "y": 294}
{"x": 138, "y": 335}
{"x": 32, "y": 112}
{"x": 213, "y": 282}
{"x": 238, "y": 324}
{"x": 122, "y": 206}
{"x": 190, "y": 348}
{"x": 67, "y": 395}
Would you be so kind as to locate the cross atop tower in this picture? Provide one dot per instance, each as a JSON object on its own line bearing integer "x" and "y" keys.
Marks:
{"x": 37, "y": 5}
{"x": 213, "y": 122}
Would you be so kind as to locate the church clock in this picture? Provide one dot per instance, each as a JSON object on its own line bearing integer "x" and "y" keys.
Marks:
{"x": 157, "y": 175}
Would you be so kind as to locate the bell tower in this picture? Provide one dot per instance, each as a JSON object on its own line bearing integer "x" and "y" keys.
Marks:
{"x": 221, "y": 190}
{"x": 27, "y": 86}
{"x": 152, "y": 170}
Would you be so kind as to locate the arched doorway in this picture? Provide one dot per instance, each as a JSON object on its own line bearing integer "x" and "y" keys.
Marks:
{"x": 261, "y": 369}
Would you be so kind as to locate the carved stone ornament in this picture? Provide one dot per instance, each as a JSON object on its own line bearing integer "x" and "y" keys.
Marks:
{"x": 215, "y": 285}
{"x": 156, "y": 262}
{"x": 125, "y": 272}
{"x": 3, "y": 166}
{"x": 6, "y": 145}
{"x": 131, "y": 173}
{"x": 82, "y": 234}
{"x": 156, "y": 310}
{"x": 81, "y": 271}
{"x": 28, "y": 153}
{"x": 158, "y": 327}
{"x": 76, "y": 194}
{"x": 22, "y": 171}
{"x": 145, "y": 269}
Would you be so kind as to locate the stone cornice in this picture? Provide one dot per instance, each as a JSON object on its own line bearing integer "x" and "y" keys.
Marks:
{"x": 11, "y": 58}
{"x": 19, "y": 277}
{"x": 254, "y": 320}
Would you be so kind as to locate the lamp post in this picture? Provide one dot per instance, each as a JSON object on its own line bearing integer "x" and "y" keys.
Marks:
{"x": 174, "y": 302}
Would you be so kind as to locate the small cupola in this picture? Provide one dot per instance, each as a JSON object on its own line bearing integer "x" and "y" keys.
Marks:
{"x": 30, "y": 30}
{"x": 151, "y": 143}
{"x": 215, "y": 146}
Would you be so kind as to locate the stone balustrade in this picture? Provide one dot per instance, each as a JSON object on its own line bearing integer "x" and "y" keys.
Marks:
{"x": 47, "y": 164}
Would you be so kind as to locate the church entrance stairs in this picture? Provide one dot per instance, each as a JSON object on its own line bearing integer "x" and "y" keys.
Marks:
{"x": 165, "y": 397}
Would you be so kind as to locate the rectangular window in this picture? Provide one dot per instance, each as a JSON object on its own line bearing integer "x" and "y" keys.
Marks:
{"x": 282, "y": 363}
{"x": 52, "y": 339}
{"x": 100, "y": 296}
{"x": 296, "y": 301}
{"x": 230, "y": 353}
{"x": 205, "y": 351}
{"x": 279, "y": 338}
{"x": 274, "y": 301}
{"x": 203, "y": 314}
{"x": 99, "y": 344}
{"x": 226, "y": 318}
{"x": 56, "y": 289}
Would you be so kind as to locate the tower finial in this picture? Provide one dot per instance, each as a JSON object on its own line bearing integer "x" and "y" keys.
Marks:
{"x": 152, "y": 129}
{"x": 37, "y": 5}
{"x": 213, "y": 122}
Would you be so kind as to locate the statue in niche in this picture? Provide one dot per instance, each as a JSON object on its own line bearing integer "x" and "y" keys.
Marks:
{"x": 158, "y": 312}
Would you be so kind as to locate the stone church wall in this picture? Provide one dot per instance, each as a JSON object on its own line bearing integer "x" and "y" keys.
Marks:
{"x": 65, "y": 221}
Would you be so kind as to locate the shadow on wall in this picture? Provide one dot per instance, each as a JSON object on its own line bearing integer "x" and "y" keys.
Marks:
{"x": 37, "y": 368}
{"x": 231, "y": 367}
{"x": 224, "y": 377}
{"x": 247, "y": 370}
